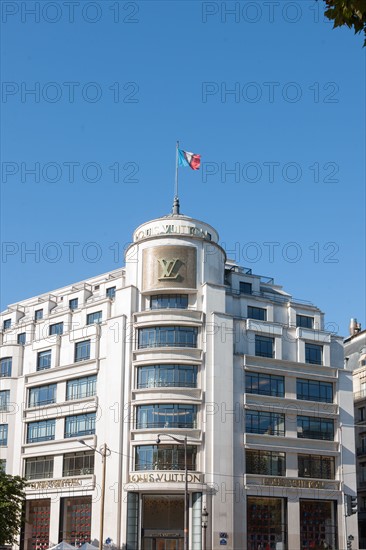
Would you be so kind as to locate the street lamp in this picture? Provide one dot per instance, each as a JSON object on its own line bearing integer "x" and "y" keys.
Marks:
{"x": 104, "y": 452}
{"x": 186, "y": 501}
{"x": 204, "y": 525}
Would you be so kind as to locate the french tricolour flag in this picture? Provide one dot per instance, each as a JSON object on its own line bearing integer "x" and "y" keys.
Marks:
{"x": 188, "y": 159}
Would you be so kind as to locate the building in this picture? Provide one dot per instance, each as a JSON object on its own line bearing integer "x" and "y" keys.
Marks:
{"x": 181, "y": 342}
{"x": 355, "y": 353}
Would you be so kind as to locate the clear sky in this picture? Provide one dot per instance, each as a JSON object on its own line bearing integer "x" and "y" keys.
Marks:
{"x": 270, "y": 96}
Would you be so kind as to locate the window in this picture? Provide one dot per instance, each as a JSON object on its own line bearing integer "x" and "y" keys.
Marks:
{"x": 321, "y": 467}
{"x": 41, "y": 431}
{"x": 80, "y": 425}
{"x": 111, "y": 292}
{"x": 304, "y": 321}
{"x": 264, "y": 384}
{"x": 155, "y": 337}
{"x": 81, "y": 387}
{"x": 313, "y": 354}
{"x": 245, "y": 288}
{"x": 264, "y": 423}
{"x": 56, "y": 328}
{"x": 82, "y": 350}
{"x": 21, "y": 338}
{"x": 4, "y": 400}
{"x": 5, "y": 366}
{"x": 169, "y": 301}
{"x": 257, "y": 313}
{"x": 95, "y": 317}
{"x": 78, "y": 464}
{"x": 44, "y": 359}
{"x": 38, "y": 314}
{"x": 76, "y": 520}
{"x": 361, "y": 414}
{"x": 264, "y": 346}
{"x": 42, "y": 395}
{"x": 6, "y": 324}
{"x": 318, "y": 524}
{"x": 164, "y": 457}
{"x": 3, "y": 435}
{"x": 73, "y": 303}
{"x": 166, "y": 416}
{"x": 157, "y": 376}
{"x": 315, "y": 428}
{"x": 3, "y": 465}
{"x": 313, "y": 390}
{"x": 267, "y": 523}
{"x": 268, "y": 463}
{"x": 39, "y": 467}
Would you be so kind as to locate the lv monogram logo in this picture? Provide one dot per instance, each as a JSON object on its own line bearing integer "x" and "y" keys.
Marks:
{"x": 167, "y": 267}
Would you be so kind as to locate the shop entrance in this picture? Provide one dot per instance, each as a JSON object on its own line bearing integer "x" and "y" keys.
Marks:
{"x": 162, "y": 522}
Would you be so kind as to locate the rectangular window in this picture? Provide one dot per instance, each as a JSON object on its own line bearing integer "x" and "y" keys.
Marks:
{"x": 44, "y": 359}
{"x": 111, "y": 292}
{"x": 4, "y": 400}
{"x": 169, "y": 301}
{"x": 56, "y": 328}
{"x": 3, "y": 435}
{"x": 264, "y": 384}
{"x": 3, "y": 465}
{"x": 42, "y": 395}
{"x": 257, "y": 313}
{"x": 315, "y": 428}
{"x": 73, "y": 303}
{"x": 21, "y": 338}
{"x": 312, "y": 390}
{"x": 268, "y": 463}
{"x": 267, "y": 523}
{"x": 82, "y": 350}
{"x": 313, "y": 354}
{"x": 41, "y": 431}
{"x": 264, "y": 346}
{"x": 261, "y": 422}
{"x": 321, "y": 467}
{"x": 38, "y": 314}
{"x": 168, "y": 415}
{"x": 318, "y": 524}
{"x": 39, "y": 467}
{"x": 75, "y": 520}
{"x": 81, "y": 387}
{"x": 95, "y": 317}
{"x": 78, "y": 464}
{"x": 5, "y": 366}
{"x": 80, "y": 425}
{"x": 38, "y": 513}
{"x": 165, "y": 336}
{"x": 164, "y": 457}
{"x": 245, "y": 288}
{"x": 164, "y": 376}
{"x": 6, "y": 324}
{"x": 304, "y": 321}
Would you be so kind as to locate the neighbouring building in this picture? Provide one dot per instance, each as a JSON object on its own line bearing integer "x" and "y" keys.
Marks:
{"x": 180, "y": 342}
{"x": 355, "y": 354}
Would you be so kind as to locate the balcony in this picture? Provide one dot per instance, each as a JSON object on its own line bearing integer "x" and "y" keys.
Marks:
{"x": 358, "y": 395}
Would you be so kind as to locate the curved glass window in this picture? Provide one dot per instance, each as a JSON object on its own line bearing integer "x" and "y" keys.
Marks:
{"x": 164, "y": 457}
{"x": 169, "y": 301}
{"x": 166, "y": 416}
{"x": 162, "y": 376}
{"x": 157, "y": 337}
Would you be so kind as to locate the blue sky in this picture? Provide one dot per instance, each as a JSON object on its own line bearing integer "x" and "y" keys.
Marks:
{"x": 267, "y": 93}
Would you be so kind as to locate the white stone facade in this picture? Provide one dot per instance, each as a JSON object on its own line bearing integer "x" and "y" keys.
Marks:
{"x": 180, "y": 342}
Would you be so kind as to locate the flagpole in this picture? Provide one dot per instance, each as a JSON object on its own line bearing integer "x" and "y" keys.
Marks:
{"x": 176, "y": 170}
{"x": 176, "y": 198}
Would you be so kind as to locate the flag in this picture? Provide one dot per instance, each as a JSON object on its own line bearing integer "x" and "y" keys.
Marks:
{"x": 188, "y": 159}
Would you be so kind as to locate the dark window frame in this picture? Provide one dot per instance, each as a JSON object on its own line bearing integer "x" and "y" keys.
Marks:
{"x": 313, "y": 353}
{"x": 303, "y": 390}
{"x": 82, "y": 351}
{"x": 56, "y": 329}
{"x": 264, "y": 346}
{"x": 257, "y": 313}
{"x": 44, "y": 358}
{"x": 259, "y": 462}
{"x": 256, "y": 382}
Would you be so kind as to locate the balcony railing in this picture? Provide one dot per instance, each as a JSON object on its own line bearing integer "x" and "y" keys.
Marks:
{"x": 359, "y": 395}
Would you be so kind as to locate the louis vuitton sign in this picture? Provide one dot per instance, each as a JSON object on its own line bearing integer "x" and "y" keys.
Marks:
{"x": 169, "y": 267}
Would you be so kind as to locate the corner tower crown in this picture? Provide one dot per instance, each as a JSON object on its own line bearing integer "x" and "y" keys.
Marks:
{"x": 175, "y": 225}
